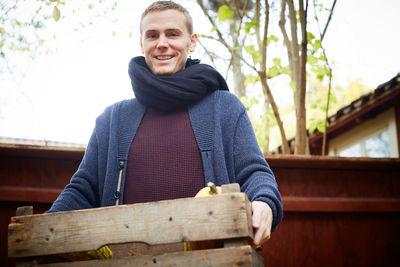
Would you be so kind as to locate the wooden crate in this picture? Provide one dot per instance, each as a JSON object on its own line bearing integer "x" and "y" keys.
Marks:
{"x": 146, "y": 234}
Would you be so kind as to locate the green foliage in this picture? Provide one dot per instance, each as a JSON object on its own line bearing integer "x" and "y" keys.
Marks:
{"x": 293, "y": 86}
{"x": 310, "y": 36}
{"x": 254, "y": 53}
{"x": 273, "y": 71}
{"x": 316, "y": 59}
{"x": 277, "y": 61}
{"x": 56, "y": 13}
{"x": 317, "y": 100}
{"x": 272, "y": 38}
{"x": 320, "y": 71}
{"x": 251, "y": 79}
{"x": 312, "y": 60}
{"x": 316, "y": 124}
{"x": 224, "y": 13}
{"x": 250, "y": 27}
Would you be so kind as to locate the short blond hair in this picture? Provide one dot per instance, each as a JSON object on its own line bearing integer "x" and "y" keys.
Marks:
{"x": 165, "y": 5}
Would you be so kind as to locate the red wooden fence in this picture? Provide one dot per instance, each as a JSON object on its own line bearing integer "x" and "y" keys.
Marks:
{"x": 338, "y": 212}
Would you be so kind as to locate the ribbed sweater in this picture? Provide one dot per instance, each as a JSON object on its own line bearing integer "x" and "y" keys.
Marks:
{"x": 164, "y": 159}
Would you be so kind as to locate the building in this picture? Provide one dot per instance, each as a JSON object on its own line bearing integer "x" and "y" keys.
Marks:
{"x": 367, "y": 127}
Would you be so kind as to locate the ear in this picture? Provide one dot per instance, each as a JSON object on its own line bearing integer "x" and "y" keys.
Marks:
{"x": 193, "y": 42}
{"x": 141, "y": 45}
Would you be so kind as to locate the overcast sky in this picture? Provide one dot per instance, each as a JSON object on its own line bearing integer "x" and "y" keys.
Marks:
{"x": 64, "y": 92}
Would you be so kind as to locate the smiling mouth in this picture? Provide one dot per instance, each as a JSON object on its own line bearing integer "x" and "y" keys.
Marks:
{"x": 163, "y": 57}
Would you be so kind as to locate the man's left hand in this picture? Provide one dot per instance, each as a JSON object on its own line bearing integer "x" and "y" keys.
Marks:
{"x": 262, "y": 221}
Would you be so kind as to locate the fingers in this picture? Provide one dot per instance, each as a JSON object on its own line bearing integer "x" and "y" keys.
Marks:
{"x": 261, "y": 221}
{"x": 256, "y": 218}
{"x": 262, "y": 234}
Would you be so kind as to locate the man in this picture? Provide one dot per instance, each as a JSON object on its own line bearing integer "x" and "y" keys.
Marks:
{"x": 183, "y": 130}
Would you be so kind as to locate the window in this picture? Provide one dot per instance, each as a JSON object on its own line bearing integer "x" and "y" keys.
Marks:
{"x": 375, "y": 138}
{"x": 376, "y": 146}
{"x": 353, "y": 151}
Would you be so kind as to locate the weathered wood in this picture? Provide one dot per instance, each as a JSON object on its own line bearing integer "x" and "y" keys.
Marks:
{"x": 235, "y": 243}
{"x": 230, "y": 188}
{"x": 234, "y": 256}
{"x": 223, "y": 216}
{"x": 24, "y": 210}
{"x": 135, "y": 249}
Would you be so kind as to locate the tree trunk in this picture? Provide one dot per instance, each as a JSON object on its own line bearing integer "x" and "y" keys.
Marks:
{"x": 266, "y": 132}
{"x": 238, "y": 76}
{"x": 297, "y": 64}
{"x": 301, "y": 129}
{"x": 271, "y": 101}
{"x": 263, "y": 75}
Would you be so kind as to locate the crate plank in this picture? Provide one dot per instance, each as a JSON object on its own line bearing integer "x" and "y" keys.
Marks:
{"x": 234, "y": 256}
{"x": 230, "y": 188}
{"x": 223, "y": 216}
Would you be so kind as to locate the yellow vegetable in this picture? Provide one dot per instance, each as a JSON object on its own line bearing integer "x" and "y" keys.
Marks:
{"x": 102, "y": 253}
{"x": 210, "y": 190}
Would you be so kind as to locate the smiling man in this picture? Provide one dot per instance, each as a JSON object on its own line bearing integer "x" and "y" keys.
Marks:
{"x": 166, "y": 40}
{"x": 182, "y": 130}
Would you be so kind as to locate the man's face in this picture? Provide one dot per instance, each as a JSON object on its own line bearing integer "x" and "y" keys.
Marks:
{"x": 165, "y": 41}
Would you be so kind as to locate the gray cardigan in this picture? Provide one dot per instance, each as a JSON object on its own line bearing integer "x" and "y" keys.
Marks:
{"x": 224, "y": 134}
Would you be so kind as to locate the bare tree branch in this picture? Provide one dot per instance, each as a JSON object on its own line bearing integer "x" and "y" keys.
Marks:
{"x": 282, "y": 23}
{"x": 257, "y": 18}
{"x": 221, "y": 39}
{"x": 328, "y": 21}
{"x": 263, "y": 46}
{"x": 230, "y": 50}
{"x": 323, "y": 150}
{"x": 208, "y": 52}
{"x": 4, "y": 7}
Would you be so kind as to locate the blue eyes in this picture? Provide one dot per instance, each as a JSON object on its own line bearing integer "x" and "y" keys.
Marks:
{"x": 155, "y": 36}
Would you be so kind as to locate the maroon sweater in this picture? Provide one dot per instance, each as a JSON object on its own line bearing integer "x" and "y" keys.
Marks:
{"x": 164, "y": 159}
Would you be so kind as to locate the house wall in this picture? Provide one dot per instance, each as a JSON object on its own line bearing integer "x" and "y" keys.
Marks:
{"x": 371, "y": 127}
{"x": 336, "y": 211}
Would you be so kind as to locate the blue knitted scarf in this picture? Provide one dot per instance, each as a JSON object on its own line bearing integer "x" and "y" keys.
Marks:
{"x": 170, "y": 92}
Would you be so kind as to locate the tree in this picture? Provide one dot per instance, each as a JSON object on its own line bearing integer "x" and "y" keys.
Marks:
{"x": 241, "y": 7}
{"x": 253, "y": 27}
{"x": 297, "y": 54}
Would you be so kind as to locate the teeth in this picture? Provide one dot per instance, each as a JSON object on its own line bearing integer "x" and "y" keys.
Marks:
{"x": 164, "y": 57}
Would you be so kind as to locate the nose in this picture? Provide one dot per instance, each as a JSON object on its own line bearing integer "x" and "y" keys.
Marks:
{"x": 162, "y": 41}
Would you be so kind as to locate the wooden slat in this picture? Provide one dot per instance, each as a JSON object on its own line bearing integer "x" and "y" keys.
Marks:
{"x": 340, "y": 204}
{"x": 24, "y": 210}
{"x": 235, "y": 256}
{"x": 190, "y": 219}
{"x": 28, "y": 194}
{"x": 296, "y": 162}
{"x": 230, "y": 188}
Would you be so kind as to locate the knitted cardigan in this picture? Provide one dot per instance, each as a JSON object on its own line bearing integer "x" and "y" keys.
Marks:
{"x": 226, "y": 140}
